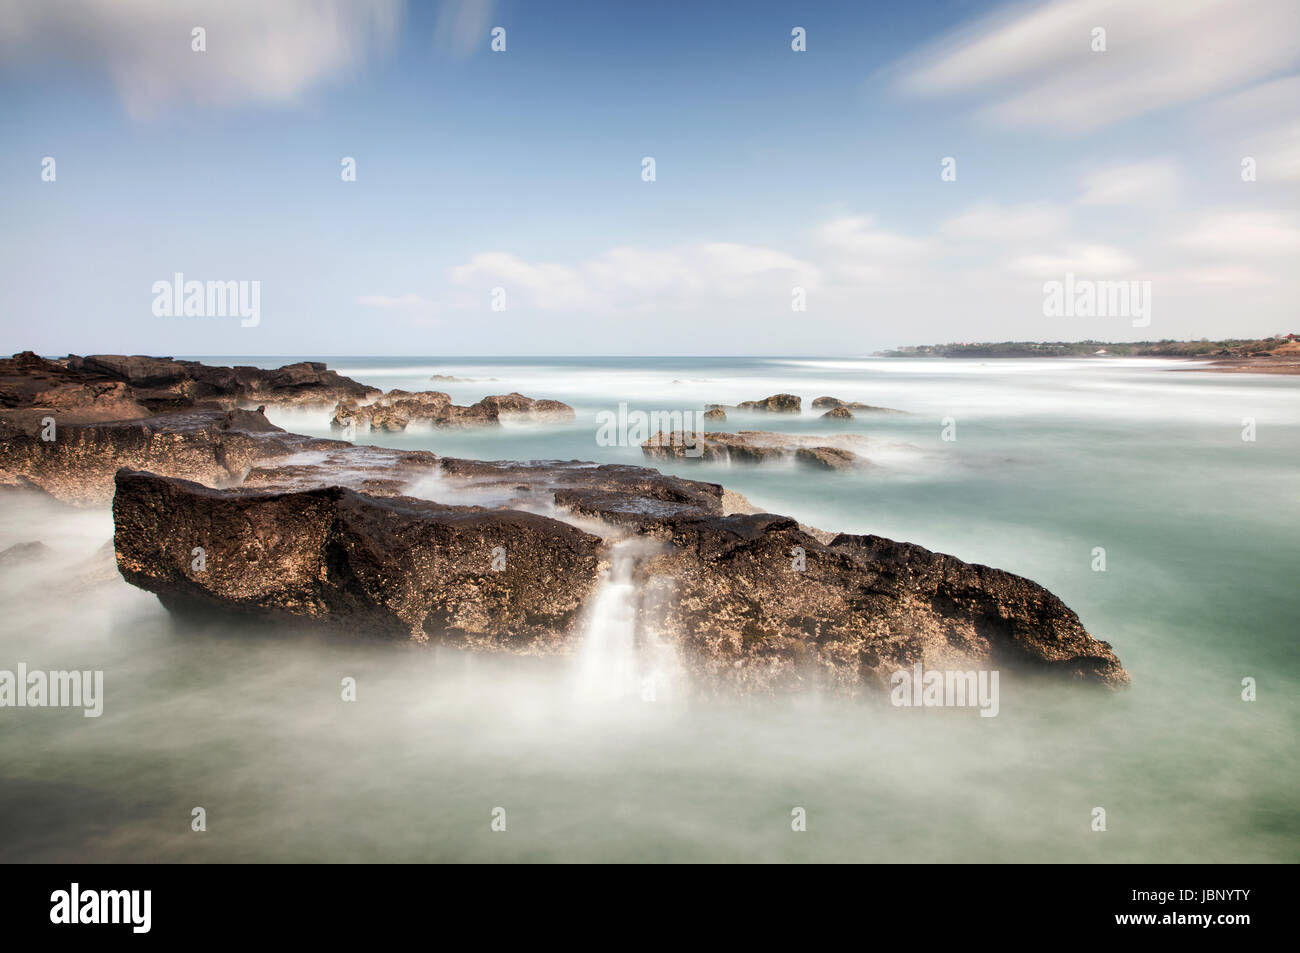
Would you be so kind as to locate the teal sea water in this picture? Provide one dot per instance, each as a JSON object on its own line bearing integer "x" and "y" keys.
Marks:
{"x": 1052, "y": 459}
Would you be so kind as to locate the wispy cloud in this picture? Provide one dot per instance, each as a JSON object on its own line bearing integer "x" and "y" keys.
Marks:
{"x": 1036, "y": 67}
{"x": 259, "y": 52}
{"x": 638, "y": 279}
{"x": 1150, "y": 182}
{"x": 462, "y": 26}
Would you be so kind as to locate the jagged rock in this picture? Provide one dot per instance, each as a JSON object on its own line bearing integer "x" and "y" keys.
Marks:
{"x": 838, "y": 413}
{"x": 118, "y": 387}
{"x": 398, "y": 408}
{"x": 293, "y": 541}
{"x": 724, "y": 589}
{"x": 213, "y": 446}
{"x": 715, "y": 413}
{"x": 860, "y": 609}
{"x": 383, "y": 567}
{"x": 776, "y": 404}
{"x": 834, "y": 403}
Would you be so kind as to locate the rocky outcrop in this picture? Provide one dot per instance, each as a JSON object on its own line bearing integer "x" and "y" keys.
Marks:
{"x": 834, "y": 403}
{"x": 326, "y": 533}
{"x": 380, "y": 567}
{"x": 838, "y": 413}
{"x": 715, "y": 413}
{"x": 758, "y": 446}
{"x": 756, "y": 602}
{"x": 753, "y": 602}
{"x": 119, "y": 387}
{"x": 77, "y": 465}
{"x": 398, "y": 408}
{"x": 776, "y": 404}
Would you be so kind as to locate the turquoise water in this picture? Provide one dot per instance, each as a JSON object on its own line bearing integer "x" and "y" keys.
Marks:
{"x": 1051, "y": 459}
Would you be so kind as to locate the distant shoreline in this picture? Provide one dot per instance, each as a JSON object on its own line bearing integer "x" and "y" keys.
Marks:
{"x": 1277, "y": 355}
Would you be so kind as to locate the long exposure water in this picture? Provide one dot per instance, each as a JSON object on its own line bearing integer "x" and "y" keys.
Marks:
{"x": 1052, "y": 459}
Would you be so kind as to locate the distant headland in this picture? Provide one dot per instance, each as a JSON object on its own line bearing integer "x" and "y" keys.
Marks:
{"x": 1279, "y": 354}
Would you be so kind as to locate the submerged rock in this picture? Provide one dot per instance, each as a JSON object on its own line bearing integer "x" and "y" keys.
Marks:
{"x": 838, "y": 413}
{"x": 828, "y": 458}
{"x": 757, "y": 446}
{"x": 25, "y": 554}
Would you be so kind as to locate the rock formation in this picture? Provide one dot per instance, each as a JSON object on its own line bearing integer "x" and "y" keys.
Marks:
{"x": 397, "y": 409}
{"x": 836, "y": 452}
{"x": 776, "y": 404}
{"x": 345, "y": 537}
{"x": 834, "y": 403}
{"x": 116, "y": 387}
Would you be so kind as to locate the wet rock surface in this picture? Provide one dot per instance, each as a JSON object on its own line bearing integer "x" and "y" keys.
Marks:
{"x": 119, "y": 387}
{"x": 380, "y": 567}
{"x": 397, "y": 409}
{"x": 826, "y": 452}
{"x": 776, "y": 404}
{"x": 506, "y": 555}
{"x": 834, "y": 403}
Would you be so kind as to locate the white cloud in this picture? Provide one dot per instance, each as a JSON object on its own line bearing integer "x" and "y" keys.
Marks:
{"x": 1243, "y": 233}
{"x": 1151, "y": 182}
{"x": 257, "y": 52}
{"x": 394, "y": 303}
{"x": 1265, "y": 121}
{"x": 1092, "y": 261}
{"x": 1008, "y": 223}
{"x": 641, "y": 279}
{"x": 1037, "y": 68}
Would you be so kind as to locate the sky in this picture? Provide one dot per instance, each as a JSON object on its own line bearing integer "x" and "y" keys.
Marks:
{"x": 801, "y": 202}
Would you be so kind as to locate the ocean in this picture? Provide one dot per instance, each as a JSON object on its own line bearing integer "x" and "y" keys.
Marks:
{"x": 1048, "y": 462}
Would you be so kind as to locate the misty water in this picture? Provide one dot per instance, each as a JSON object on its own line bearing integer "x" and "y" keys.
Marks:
{"x": 1052, "y": 459}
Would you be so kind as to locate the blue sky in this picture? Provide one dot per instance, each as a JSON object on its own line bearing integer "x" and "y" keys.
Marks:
{"x": 522, "y": 171}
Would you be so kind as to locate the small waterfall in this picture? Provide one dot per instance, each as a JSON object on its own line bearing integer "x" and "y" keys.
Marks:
{"x": 618, "y": 659}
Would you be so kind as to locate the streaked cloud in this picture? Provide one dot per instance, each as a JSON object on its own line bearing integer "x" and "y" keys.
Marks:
{"x": 258, "y": 52}
{"x": 1035, "y": 67}
{"x": 1150, "y": 182}
{"x": 462, "y": 26}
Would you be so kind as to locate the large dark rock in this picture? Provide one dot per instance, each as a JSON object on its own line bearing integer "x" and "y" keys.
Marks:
{"x": 380, "y": 567}
{"x": 105, "y": 387}
{"x": 77, "y": 466}
{"x": 859, "y": 609}
{"x": 754, "y": 602}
